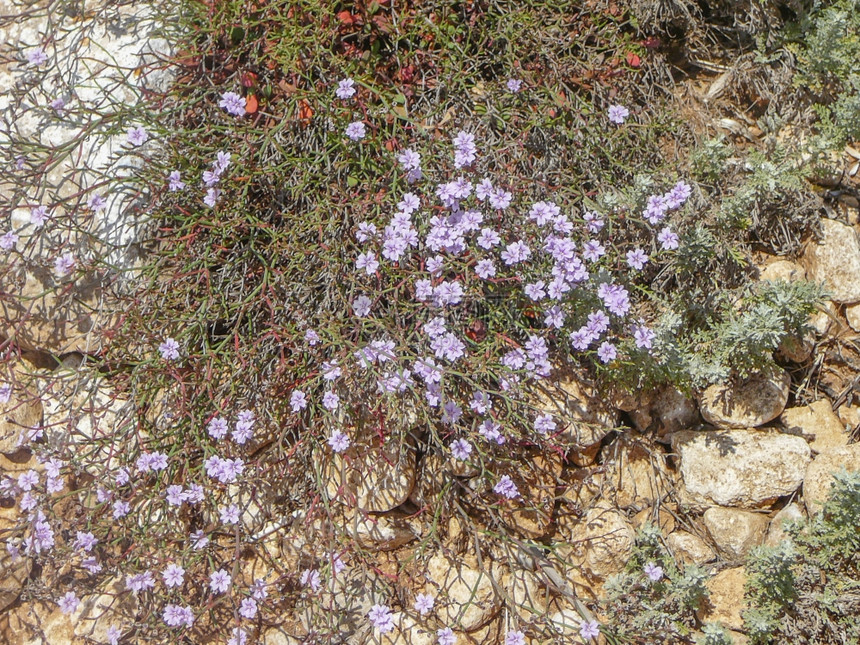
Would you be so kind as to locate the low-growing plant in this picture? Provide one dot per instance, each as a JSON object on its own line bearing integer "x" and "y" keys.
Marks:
{"x": 807, "y": 588}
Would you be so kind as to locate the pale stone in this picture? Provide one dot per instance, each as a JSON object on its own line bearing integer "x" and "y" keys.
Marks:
{"x": 819, "y": 474}
{"x": 14, "y": 571}
{"x": 852, "y": 314}
{"x": 407, "y": 631}
{"x": 849, "y": 415}
{"x": 351, "y": 595}
{"x": 748, "y": 404}
{"x": 689, "y": 548}
{"x": 602, "y": 542}
{"x": 278, "y": 636}
{"x": 535, "y": 475}
{"x": 111, "y": 607}
{"x": 823, "y": 320}
{"x": 817, "y": 422}
{"x": 745, "y": 468}
{"x": 797, "y": 349}
{"x": 638, "y": 474}
{"x": 370, "y": 476}
{"x": 835, "y": 261}
{"x": 776, "y": 531}
{"x": 579, "y": 407}
{"x": 465, "y": 595}
{"x": 726, "y": 599}
{"x": 20, "y": 414}
{"x": 664, "y": 520}
{"x": 734, "y": 531}
{"x": 665, "y": 411}
{"x": 523, "y": 594}
{"x": 380, "y": 532}
{"x": 566, "y": 622}
{"x": 586, "y": 486}
{"x": 784, "y": 270}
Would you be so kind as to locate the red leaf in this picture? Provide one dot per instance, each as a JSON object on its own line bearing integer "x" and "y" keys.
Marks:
{"x": 345, "y": 17}
{"x": 251, "y": 104}
{"x": 249, "y": 79}
{"x": 633, "y": 59}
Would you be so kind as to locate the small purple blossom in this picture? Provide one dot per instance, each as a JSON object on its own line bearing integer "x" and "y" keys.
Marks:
{"x": 653, "y": 571}
{"x": 169, "y": 349}
{"x": 618, "y": 113}
{"x": 506, "y": 488}
{"x": 514, "y": 85}
{"x": 220, "y": 581}
{"x": 64, "y": 264}
{"x": 515, "y": 638}
{"x": 380, "y": 617}
{"x": 356, "y": 130}
{"x": 345, "y": 89}
{"x": 230, "y": 514}
{"x": 137, "y": 136}
{"x": 69, "y": 602}
{"x": 233, "y": 103}
{"x": 310, "y": 578}
{"x": 589, "y": 629}
{"x": 636, "y": 259}
{"x": 668, "y": 239}
{"x": 8, "y": 241}
{"x": 445, "y": 636}
{"x": 248, "y": 608}
{"x": 175, "y": 182}
{"x": 607, "y": 352}
{"x": 424, "y": 603}
{"x": 173, "y": 575}
{"x": 461, "y": 449}
{"x": 338, "y": 441}
{"x": 298, "y": 400}
{"x": 361, "y": 306}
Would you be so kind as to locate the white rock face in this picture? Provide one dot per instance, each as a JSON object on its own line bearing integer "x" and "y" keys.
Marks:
{"x": 776, "y": 531}
{"x": 689, "y": 548}
{"x": 464, "y": 591}
{"x": 99, "y": 63}
{"x": 602, "y": 542}
{"x": 759, "y": 399}
{"x": 835, "y": 261}
{"x": 735, "y": 532}
{"x": 739, "y": 468}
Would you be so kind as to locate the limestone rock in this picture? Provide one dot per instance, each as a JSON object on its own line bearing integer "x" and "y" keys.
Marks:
{"x": 784, "y": 270}
{"x": 776, "y": 531}
{"x": 754, "y": 402}
{"x": 852, "y": 313}
{"x": 380, "y": 532}
{"x": 407, "y": 631}
{"x": 663, "y": 520}
{"x": 726, "y": 600}
{"x": 14, "y": 571}
{"x": 465, "y": 597}
{"x": 98, "y": 612}
{"x": 817, "y": 421}
{"x": 689, "y": 548}
{"x": 735, "y": 532}
{"x": 566, "y": 623}
{"x": 523, "y": 593}
{"x": 665, "y": 411}
{"x": 819, "y": 474}
{"x": 824, "y": 320}
{"x": 20, "y": 414}
{"x": 370, "y": 476}
{"x": 638, "y": 473}
{"x": 602, "y": 542}
{"x": 587, "y": 418}
{"x": 536, "y": 476}
{"x": 744, "y": 468}
{"x": 835, "y": 261}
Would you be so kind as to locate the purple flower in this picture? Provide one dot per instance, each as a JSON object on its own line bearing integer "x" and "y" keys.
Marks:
{"x": 175, "y": 181}
{"x": 515, "y": 253}
{"x": 643, "y": 336}
{"x": 366, "y": 230}
{"x": 593, "y": 250}
{"x": 424, "y": 603}
{"x": 338, "y": 441}
{"x": 5, "y": 392}
{"x": 212, "y": 195}
{"x": 8, "y": 241}
{"x": 173, "y": 575}
{"x": 120, "y": 509}
{"x": 514, "y": 85}
{"x": 298, "y": 401}
{"x": 64, "y": 264}
{"x": 248, "y": 608}
{"x": 217, "y": 428}
{"x": 311, "y": 337}
{"x": 653, "y": 571}
{"x": 409, "y": 159}
{"x": 545, "y": 424}
{"x": 113, "y": 635}
{"x": 311, "y": 578}
{"x": 199, "y": 540}
{"x": 258, "y": 589}
{"x": 464, "y": 149}
{"x": 480, "y": 402}
{"x": 330, "y": 400}
{"x": 233, "y": 103}
{"x": 607, "y": 352}
{"x": 380, "y": 617}
{"x": 554, "y": 317}
{"x": 219, "y": 581}
{"x": 37, "y": 57}
{"x": 589, "y": 629}
{"x": 139, "y": 581}
{"x": 345, "y": 89}
{"x": 361, "y": 306}
{"x": 668, "y": 239}
{"x": 515, "y": 638}
{"x": 536, "y": 290}
{"x": 85, "y": 541}
{"x": 636, "y": 259}
{"x": 500, "y": 199}
{"x": 97, "y": 203}
{"x": 485, "y": 269}
{"x": 169, "y": 349}
{"x": 38, "y": 215}
{"x": 618, "y": 113}
{"x": 174, "y": 616}
{"x": 593, "y": 222}
{"x": 506, "y": 488}
{"x": 445, "y": 636}
{"x": 368, "y": 262}
{"x": 356, "y": 130}
{"x": 69, "y": 602}
{"x": 58, "y": 104}
{"x": 137, "y": 136}
{"x": 461, "y": 449}
{"x": 230, "y": 514}
{"x": 175, "y": 495}
{"x": 451, "y": 413}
